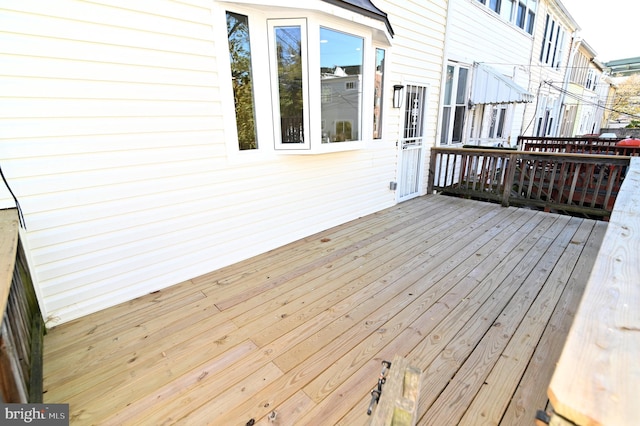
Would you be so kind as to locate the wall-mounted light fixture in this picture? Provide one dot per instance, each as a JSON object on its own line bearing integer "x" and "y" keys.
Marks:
{"x": 397, "y": 95}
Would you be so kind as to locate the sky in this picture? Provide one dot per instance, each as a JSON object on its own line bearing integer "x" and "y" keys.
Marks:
{"x": 610, "y": 27}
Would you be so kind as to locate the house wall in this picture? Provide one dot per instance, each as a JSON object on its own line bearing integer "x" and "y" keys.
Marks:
{"x": 547, "y": 82}
{"x": 477, "y": 34}
{"x": 116, "y": 144}
{"x": 585, "y": 83}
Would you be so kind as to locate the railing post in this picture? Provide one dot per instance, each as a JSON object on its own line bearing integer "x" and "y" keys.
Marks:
{"x": 432, "y": 170}
{"x": 508, "y": 181}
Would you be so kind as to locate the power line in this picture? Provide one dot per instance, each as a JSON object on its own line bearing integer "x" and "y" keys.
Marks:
{"x": 588, "y": 101}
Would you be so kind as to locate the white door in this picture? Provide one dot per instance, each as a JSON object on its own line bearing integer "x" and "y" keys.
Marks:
{"x": 411, "y": 143}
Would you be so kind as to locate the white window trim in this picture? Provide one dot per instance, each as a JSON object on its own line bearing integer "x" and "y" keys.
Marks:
{"x": 261, "y": 86}
{"x": 511, "y": 15}
{"x": 306, "y": 77}
{"x": 454, "y": 90}
{"x": 261, "y": 57}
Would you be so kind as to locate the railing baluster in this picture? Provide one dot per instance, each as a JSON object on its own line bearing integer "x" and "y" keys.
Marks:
{"x": 561, "y": 182}
{"x": 596, "y": 191}
{"x": 610, "y": 187}
{"x": 576, "y": 174}
{"x": 552, "y": 183}
{"x": 471, "y": 161}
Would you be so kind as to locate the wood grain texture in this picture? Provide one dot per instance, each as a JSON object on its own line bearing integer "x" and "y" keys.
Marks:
{"x": 597, "y": 380}
{"x": 461, "y": 289}
{"x": 8, "y": 248}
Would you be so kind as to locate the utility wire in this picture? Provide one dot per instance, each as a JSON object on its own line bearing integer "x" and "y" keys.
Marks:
{"x": 588, "y": 101}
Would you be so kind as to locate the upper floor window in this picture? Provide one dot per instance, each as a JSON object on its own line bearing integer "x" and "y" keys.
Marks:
{"x": 528, "y": 8}
{"x": 492, "y": 4}
{"x": 521, "y": 13}
{"x": 592, "y": 80}
{"x": 552, "y": 50}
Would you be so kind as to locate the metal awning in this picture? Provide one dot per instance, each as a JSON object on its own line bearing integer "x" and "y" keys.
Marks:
{"x": 491, "y": 87}
{"x": 364, "y": 7}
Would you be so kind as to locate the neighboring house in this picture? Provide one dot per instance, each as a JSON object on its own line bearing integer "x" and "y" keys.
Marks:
{"x": 339, "y": 104}
{"x": 606, "y": 92}
{"x": 620, "y": 71}
{"x": 623, "y": 67}
{"x": 582, "y": 100}
{"x": 488, "y": 47}
{"x": 553, "y": 46}
{"x": 149, "y": 143}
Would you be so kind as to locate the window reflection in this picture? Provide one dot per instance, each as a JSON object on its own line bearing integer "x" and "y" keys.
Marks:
{"x": 377, "y": 94}
{"x": 341, "y": 85}
{"x": 242, "y": 81}
{"x": 289, "y": 59}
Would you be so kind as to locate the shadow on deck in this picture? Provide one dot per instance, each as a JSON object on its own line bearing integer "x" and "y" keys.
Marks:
{"x": 478, "y": 296}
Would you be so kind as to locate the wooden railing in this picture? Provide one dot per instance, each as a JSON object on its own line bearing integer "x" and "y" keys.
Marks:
{"x": 571, "y": 183}
{"x": 22, "y": 325}
{"x": 576, "y": 146}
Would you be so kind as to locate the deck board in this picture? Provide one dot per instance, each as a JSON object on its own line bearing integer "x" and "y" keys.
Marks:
{"x": 476, "y": 295}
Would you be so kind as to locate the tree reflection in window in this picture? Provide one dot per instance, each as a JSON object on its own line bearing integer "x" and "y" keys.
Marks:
{"x": 289, "y": 59}
{"x": 240, "y": 59}
{"x": 377, "y": 94}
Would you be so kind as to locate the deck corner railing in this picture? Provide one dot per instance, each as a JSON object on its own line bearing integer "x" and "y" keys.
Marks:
{"x": 565, "y": 182}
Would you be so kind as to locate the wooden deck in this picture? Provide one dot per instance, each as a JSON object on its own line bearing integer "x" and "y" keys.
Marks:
{"x": 478, "y": 296}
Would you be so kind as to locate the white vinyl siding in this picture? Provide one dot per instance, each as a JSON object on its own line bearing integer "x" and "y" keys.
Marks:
{"x": 115, "y": 138}
{"x": 417, "y": 57}
{"x": 477, "y": 34}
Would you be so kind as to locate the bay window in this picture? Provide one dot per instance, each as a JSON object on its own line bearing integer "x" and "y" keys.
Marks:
{"x": 314, "y": 70}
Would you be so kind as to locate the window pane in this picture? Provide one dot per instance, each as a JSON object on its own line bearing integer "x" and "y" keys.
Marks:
{"x": 341, "y": 75}
{"x": 492, "y": 127}
{"x": 458, "y": 124}
{"x": 522, "y": 10}
{"x": 289, "y": 59}
{"x": 444, "y": 132}
{"x": 462, "y": 85}
{"x": 378, "y": 91}
{"x": 506, "y": 9}
{"x": 530, "y": 22}
{"x": 448, "y": 85}
{"x": 550, "y": 41}
{"x": 500, "y": 129}
{"x": 242, "y": 82}
{"x": 544, "y": 41}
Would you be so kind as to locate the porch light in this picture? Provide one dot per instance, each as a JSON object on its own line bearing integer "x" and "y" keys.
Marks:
{"x": 397, "y": 95}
